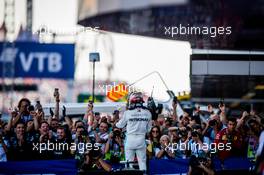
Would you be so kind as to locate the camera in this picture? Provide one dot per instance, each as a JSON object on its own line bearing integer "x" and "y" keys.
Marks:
{"x": 116, "y": 133}
{"x": 56, "y": 92}
{"x": 212, "y": 122}
{"x": 196, "y": 161}
{"x": 95, "y": 154}
{"x": 155, "y": 110}
{"x": 221, "y": 102}
{"x": 182, "y": 133}
{"x": 175, "y": 99}
{"x": 195, "y": 134}
{"x": 30, "y": 108}
{"x": 38, "y": 106}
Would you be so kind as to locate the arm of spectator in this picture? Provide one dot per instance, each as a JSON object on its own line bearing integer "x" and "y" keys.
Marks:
{"x": 223, "y": 117}
{"x": 174, "y": 111}
{"x": 57, "y": 105}
{"x": 261, "y": 144}
{"x": 241, "y": 120}
{"x": 107, "y": 167}
{"x": 206, "y": 127}
{"x": 97, "y": 137}
{"x": 16, "y": 119}
{"x": 122, "y": 122}
{"x": 3, "y": 144}
{"x": 107, "y": 145}
{"x": 160, "y": 153}
{"x": 189, "y": 171}
{"x": 12, "y": 116}
{"x": 51, "y": 116}
{"x": 170, "y": 154}
{"x": 35, "y": 121}
{"x": 67, "y": 119}
{"x": 109, "y": 120}
{"x": 207, "y": 170}
{"x": 89, "y": 117}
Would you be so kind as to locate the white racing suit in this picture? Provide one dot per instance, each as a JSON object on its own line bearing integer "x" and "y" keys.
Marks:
{"x": 138, "y": 123}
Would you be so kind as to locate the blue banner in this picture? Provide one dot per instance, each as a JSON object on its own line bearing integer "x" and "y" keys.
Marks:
{"x": 181, "y": 166}
{"x": 39, "y": 167}
{"x": 35, "y": 60}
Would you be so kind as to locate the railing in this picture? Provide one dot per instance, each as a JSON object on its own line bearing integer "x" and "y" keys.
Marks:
{"x": 177, "y": 166}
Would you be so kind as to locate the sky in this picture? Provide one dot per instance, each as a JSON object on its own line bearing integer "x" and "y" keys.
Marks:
{"x": 134, "y": 56}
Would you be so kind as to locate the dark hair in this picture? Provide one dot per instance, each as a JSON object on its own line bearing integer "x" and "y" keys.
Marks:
{"x": 80, "y": 127}
{"x": 62, "y": 128}
{"x": 54, "y": 119}
{"x": 231, "y": 119}
{"x": 21, "y": 100}
{"x": 104, "y": 123}
{"x": 19, "y": 123}
{"x": 43, "y": 122}
{"x": 150, "y": 134}
{"x": 78, "y": 121}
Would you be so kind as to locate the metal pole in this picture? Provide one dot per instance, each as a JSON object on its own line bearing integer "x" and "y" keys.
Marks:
{"x": 93, "y": 79}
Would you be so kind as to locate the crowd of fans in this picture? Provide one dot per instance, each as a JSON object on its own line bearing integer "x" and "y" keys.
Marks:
{"x": 28, "y": 135}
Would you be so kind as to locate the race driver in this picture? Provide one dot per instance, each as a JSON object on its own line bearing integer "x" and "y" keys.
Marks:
{"x": 137, "y": 120}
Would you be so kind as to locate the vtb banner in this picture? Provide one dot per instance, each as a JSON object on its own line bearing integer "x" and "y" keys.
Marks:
{"x": 35, "y": 60}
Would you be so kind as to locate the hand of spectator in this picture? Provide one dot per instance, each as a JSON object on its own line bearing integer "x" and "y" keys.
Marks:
{"x": 109, "y": 119}
{"x": 210, "y": 108}
{"x": 244, "y": 114}
{"x": 57, "y": 96}
{"x": 40, "y": 115}
{"x": 94, "y": 126}
{"x": 51, "y": 112}
{"x": 22, "y": 110}
{"x": 111, "y": 135}
{"x": 33, "y": 114}
{"x": 13, "y": 113}
{"x": 42, "y": 137}
{"x": 20, "y": 139}
{"x": 90, "y": 106}
{"x": 118, "y": 140}
{"x": 222, "y": 108}
{"x": 252, "y": 112}
{"x": 174, "y": 105}
{"x": 63, "y": 111}
{"x": 201, "y": 165}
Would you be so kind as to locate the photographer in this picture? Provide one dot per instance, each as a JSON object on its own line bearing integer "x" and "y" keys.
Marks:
{"x": 231, "y": 139}
{"x": 22, "y": 114}
{"x": 153, "y": 141}
{"x": 196, "y": 144}
{"x": 200, "y": 166}
{"x": 3, "y": 149}
{"x": 80, "y": 138}
{"x": 213, "y": 126}
{"x": 138, "y": 122}
{"x": 114, "y": 149}
{"x": 165, "y": 150}
{"x": 93, "y": 162}
{"x": 62, "y": 139}
{"x": 18, "y": 146}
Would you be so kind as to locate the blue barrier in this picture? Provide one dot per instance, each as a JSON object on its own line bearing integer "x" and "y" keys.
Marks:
{"x": 179, "y": 166}
{"x": 156, "y": 166}
{"x": 39, "y": 166}
{"x": 165, "y": 166}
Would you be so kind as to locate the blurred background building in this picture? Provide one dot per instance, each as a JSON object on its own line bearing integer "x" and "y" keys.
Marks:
{"x": 131, "y": 38}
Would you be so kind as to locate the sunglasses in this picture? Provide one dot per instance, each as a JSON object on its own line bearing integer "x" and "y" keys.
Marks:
{"x": 155, "y": 131}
